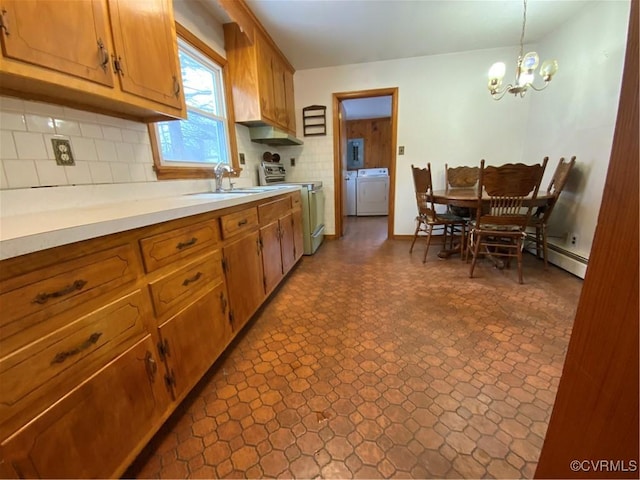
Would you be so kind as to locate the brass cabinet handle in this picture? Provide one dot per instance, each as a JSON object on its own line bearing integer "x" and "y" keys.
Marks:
{"x": 195, "y": 278}
{"x": 151, "y": 366}
{"x": 258, "y": 246}
{"x": 62, "y": 356}
{"x": 43, "y": 298}
{"x": 186, "y": 244}
{"x": 4, "y": 24}
{"x": 242, "y": 222}
{"x": 105, "y": 55}
{"x": 176, "y": 87}
{"x": 223, "y": 303}
{"x": 117, "y": 65}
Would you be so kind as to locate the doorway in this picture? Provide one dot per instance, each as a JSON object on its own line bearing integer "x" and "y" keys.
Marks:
{"x": 340, "y": 167}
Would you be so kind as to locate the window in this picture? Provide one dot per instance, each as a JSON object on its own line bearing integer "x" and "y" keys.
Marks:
{"x": 190, "y": 148}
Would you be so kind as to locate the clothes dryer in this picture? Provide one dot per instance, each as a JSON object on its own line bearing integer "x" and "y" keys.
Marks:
{"x": 372, "y": 192}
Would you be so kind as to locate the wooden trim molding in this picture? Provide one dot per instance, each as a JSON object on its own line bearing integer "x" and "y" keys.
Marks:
{"x": 337, "y": 166}
{"x": 164, "y": 172}
{"x": 240, "y": 13}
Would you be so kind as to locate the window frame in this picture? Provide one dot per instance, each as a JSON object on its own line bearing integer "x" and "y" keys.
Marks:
{"x": 174, "y": 172}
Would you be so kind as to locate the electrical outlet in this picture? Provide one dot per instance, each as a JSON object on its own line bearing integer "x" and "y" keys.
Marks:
{"x": 573, "y": 238}
{"x": 62, "y": 151}
{"x": 401, "y": 150}
{"x": 242, "y": 160}
{"x": 293, "y": 161}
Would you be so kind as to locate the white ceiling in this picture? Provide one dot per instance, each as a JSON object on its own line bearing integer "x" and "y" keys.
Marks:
{"x": 323, "y": 33}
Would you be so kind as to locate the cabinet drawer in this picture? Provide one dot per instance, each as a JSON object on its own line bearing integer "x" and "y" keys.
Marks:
{"x": 95, "y": 431}
{"x": 30, "y": 301}
{"x": 37, "y": 376}
{"x": 296, "y": 200}
{"x": 164, "y": 248}
{"x": 271, "y": 211}
{"x": 242, "y": 221}
{"x": 180, "y": 285}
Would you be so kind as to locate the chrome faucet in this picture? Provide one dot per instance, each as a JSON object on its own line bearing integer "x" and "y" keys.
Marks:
{"x": 218, "y": 171}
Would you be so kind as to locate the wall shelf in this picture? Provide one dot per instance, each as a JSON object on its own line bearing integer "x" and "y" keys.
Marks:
{"x": 314, "y": 120}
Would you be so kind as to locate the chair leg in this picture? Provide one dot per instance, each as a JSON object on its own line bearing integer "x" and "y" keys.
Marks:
{"x": 415, "y": 235}
{"x": 538, "y": 241}
{"x": 476, "y": 251}
{"x": 426, "y": 250}
{"x": 463, "y": 238}
{"x": 544, "y": 246}
{"x": 519, "y": 256}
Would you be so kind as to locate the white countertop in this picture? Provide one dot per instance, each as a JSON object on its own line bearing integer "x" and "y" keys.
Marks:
{"x": 32, "y": 231}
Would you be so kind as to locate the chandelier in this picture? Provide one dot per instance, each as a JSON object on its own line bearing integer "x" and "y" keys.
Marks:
{"x": 525, "y": 70}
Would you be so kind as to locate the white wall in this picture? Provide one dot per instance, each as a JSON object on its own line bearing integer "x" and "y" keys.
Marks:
{"x": 576, "y": 115}
{"x": 446, "y": 115}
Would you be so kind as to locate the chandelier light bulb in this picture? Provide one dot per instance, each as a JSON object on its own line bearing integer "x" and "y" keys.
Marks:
{"x": 548, "y": 69}
{"x": 497, "y": 71}
{"x": 525, "y": 71}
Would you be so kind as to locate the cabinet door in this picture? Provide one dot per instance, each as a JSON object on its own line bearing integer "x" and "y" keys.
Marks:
{"x": 287, "y": 244}
{"x": 69, "y": 37}
{"x": 97, "y": 429}
{"x": 243, "y": 261}
{"x": 279, "y": 95}
{"x": 194, "y": 338}
{"x": 265, "y": 80}
{"x": 146, "y": 49}
{"x": 290, "y": 103}
{"x": 271, "y": 257}
{"x": 298, "y": 240}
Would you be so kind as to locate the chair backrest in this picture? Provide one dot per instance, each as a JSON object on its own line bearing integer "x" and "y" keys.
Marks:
{"x": 560, "y": 176}
{"x": 507, "y": 187}
{"x": 558, "y": 181}
{"x": 424, "y": 191}
{"x": 461, "y": 177}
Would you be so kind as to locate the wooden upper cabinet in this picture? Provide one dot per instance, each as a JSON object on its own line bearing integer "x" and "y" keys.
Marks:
{"x": 36, "y": 32}
{"x": 146, "y": 49}
{"x": 261, "y": 80}
{"x": 265, "y": 59}
{"x": 289, "y": 100}
{"x": 69, "y": 52}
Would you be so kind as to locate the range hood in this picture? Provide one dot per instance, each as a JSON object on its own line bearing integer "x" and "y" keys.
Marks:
{"x": 272, "y": 136}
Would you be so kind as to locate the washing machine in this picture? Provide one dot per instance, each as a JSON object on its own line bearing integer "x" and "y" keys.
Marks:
{"x": 372, "y": 186}
{"x": 351, "y": 178}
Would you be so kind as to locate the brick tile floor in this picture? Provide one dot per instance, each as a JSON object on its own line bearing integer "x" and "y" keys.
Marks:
{"x": 367, "y": 363}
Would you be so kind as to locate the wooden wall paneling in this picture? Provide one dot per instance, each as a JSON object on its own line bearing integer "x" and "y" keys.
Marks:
{"x": 377, "y": 138}
{"x": 595, "y": 416}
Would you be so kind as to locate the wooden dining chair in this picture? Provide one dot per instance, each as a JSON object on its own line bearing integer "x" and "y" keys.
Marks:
{"x": 460, "y": 177}
{"x": 499, "y": 229}
{"x": 540, "y": 217}
{"x": 428, "y": 219}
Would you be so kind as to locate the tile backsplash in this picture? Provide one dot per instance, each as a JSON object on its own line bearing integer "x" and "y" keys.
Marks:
{"x": 106, "y": 149}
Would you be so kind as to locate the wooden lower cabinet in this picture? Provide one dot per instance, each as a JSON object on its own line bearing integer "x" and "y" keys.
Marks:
{"x": 298, "y": 242}
{"x": 96, "y": 351}
{"x": 271, "y": 256}
{"x": 93, "y": 431}
{"x": 244, "y": 273}
{"x": 287, "y": 243}
{"x": 193, "y": 339}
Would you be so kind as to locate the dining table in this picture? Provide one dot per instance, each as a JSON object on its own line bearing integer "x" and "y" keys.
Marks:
{"x": 468, "y": 197}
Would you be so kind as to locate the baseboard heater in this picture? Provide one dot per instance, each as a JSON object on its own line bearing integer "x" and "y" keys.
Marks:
{"x": 569, "y": 261}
